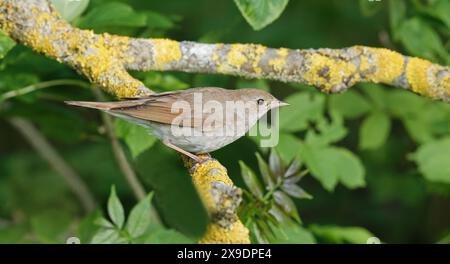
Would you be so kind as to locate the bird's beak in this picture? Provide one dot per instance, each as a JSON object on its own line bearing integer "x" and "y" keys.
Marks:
{"x": 280, "y": 104}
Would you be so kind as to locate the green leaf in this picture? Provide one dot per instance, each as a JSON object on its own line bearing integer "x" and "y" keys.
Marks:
{"x": 137, "y": 138}
{"x": 70, "y": 9}
{"x": 161, "y": 235}
{"x": 374, "y": 131}
{"x": 251, "y": 180}
{"x": 106, "y": 236}
{"x": 439, "y": 9}
{"x": 6, "y": 44}
{"x": 350, "y": 104}
{"x": 376, "y": 93}
{"x": 338, "y": 234}
{"x": 139, "y": 218}
{"x": 295, "y": 191}
{"x": 260, "y": 13}
{"x": 291, "y": 234}
{"x": 115, "y": 209}
{"x": 112, "y": 14}
{"x": 350, "y": 169}
{"x": 330, "y": 165}
{"x": 427, "y": 42}
{"x": 308, "y": 107}
{"x": 330, "y": 132}
{"x": 103, "y": 222}
{"x": 157, "y": 20}
{"x": 265, "y": 171}
{"x": 275, "y": 163}
{"x": 286, "y": 203}
{"x": 288, "y": 146}
{"x": 433, "y": 159}
{"x": 176, "y": 198}
{"x": 397, "y": 14}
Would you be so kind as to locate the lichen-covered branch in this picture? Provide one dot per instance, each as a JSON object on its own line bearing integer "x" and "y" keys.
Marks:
{"x": 36, "y": 24}
{"x": 104, "y": 58}
{"x": 221, "y": 199}
{"x": 331, "y": 70}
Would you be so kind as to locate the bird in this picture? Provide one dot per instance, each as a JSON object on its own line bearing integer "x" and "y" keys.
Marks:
{"x": 193, "y": 121}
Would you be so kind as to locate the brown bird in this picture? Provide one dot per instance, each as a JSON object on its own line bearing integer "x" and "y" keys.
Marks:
{"x": 196, "y": 120}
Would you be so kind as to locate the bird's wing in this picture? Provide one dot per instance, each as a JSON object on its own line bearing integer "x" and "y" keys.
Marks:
{"x": 166, "y": 108}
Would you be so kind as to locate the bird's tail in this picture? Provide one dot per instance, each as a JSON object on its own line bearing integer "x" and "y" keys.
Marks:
{"x": 95, "y": 105}
{"x": 105, "y": 106}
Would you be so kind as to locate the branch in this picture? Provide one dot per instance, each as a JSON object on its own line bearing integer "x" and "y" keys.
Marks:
{"x": 104, "y": 58}
{"x": 48, "y": 153}
{"x": 221, "y": 199}
{"x": 122, "y": 161}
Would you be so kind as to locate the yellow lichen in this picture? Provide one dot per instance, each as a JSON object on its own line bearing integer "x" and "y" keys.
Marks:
{"x": 326, "y": 72}
{"x": 118, "y": 45}
{"x": 204, "y": 174}
{"x": 165, "y": 51}
{"x": 237, "y": 233}
{"x": 255, "y": 56}
{"x": 236, "y": 56}
{"x": 389, "y": 65}
{"x": 279, "y": 62}
{"x": 417, "y": 76}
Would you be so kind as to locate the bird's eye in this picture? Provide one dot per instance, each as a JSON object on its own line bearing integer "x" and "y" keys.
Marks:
{"x": 260, "y": 101}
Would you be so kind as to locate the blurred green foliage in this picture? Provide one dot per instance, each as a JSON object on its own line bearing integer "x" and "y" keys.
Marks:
{"x": 377, "y": 157}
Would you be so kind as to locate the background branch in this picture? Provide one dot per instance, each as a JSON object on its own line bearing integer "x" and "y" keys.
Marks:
{"x": 48, "y": 153}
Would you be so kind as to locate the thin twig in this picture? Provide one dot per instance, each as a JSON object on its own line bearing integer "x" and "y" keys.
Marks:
{"x": 124, "y": 165}
{"x": 41, "y": 85}
{"x": 49, "y": 153}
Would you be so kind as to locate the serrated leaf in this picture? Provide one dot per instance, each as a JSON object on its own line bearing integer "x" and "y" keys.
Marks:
{"x": 275, "y": 163}
{"x": 251, "y": 180}
{"x": 286, "y": 204}
{"x": 260, "y": 13}
{"x": 265, "y": 171}
{"x": 106, "y": 236}
{"x": 278, "y": 213}
{"x": 115, "y": 209}
{"x": 295, "y": 191}
{"x": 103, "y": 222}
{"x": 433, "y": 159}
{"x": 374, "y": 131}
{"x": 139, "y": 218}
{"x": 296, "y": 177}
{"x": 293, "y": 168}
